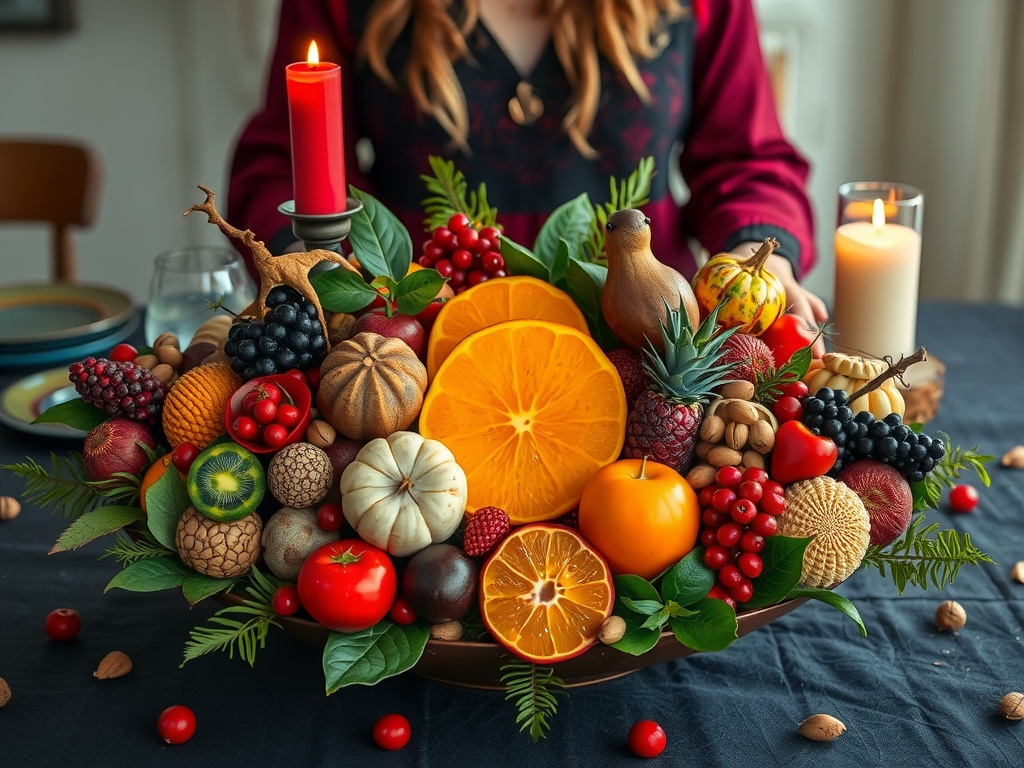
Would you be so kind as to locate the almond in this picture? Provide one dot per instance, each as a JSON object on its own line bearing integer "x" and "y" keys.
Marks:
{"x": 10, "y": 508}
{"x": 736, "y": 435}
{"x": 701, "y": 476}
{"x": 752, "y": 459}
{"x": 742, "y": 411}
{"x": 724, "y": 456}
{"x": 1011, "y": 705}
{"x": 739, "y": 390}
{"x": 712, "y": 428}
{"x": 821, "y": 728}
{"x": 702, "y": 448}
{"x": 761, "y": 437}
{"x": 114, "y": 664}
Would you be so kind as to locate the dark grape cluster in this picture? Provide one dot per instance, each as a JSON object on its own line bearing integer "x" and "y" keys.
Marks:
{"x": 862, "y": 436}
{"x": 464, "y": 254}
{"x": 290, "y": 336}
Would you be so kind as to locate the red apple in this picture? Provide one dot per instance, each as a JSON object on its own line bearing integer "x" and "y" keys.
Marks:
{"x": 428, "y": 315}
{"x": 886, "y": 495}
{"x": 116, "y": 446}
{"x": 403, "y": 327}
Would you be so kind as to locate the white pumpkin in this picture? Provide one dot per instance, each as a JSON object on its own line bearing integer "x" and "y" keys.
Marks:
{"x": 403, "y": 492}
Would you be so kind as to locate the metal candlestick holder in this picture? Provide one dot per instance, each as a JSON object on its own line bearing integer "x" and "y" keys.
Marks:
{"x": 322, "y": 230}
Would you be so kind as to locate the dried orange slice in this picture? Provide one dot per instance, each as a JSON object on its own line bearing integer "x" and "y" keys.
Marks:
{"x": 494, "y": 301}
{"x": 531, "y": 410}
{"x": 544, "y": 593}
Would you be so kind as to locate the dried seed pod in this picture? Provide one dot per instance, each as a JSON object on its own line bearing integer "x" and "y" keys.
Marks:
{"x": 10, "y": 508}
{"x": 821, "y": 728}
{"x": 701, "y": 476}
{"x": 950, "y": 616}
{"x": 5, "y": 692}
{"x": 446, "y": 630}
{"x": 761, "y": 437}
{"x": 724, "y": 456}
{"x": 712, "y": 428}
{"x": 1018, "y": 572}
{"x": 114, "y": 664}
{"x": 1013, "y": 457}
{"x": 742, "y": 411}
{"x": 737, "y": 390}
{"x": 736, "y": 435}
{"x": 1011, "y": 705}
{"x": 612, "y": 630}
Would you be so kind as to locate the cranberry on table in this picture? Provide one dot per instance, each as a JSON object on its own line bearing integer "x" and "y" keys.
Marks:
{"x": 176, "y": 724}
{"x": 647, "y": 739}
{"x": 392, "y": 732}
{"x": 963, "y": 498}
{"x": 63, "y": 624}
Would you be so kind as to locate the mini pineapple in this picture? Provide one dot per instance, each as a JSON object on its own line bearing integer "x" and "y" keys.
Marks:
{"x": 665, "y": 419}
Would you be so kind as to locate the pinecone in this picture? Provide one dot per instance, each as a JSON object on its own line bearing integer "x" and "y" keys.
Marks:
{"x": 664, "y": 421}
{"x": 484, "y": 529}
{"x": 630, "y": 365}
{"x": 119, "y": 388}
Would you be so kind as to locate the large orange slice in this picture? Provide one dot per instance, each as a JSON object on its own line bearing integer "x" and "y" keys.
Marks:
{"x": 531, "y": 410}
{"x": 494, "y": 301}
{"x": 545, "y": 592}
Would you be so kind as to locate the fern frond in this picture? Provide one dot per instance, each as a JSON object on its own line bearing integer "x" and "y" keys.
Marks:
{"x": 631, "y": 192}
{"x": 447, "y": 193}
{"x": 126, "y": 551}
{"x": 949, "y": 469}
{"x": 66, "y": 488}
{"x": 925, "y": 555}
{"x": 530, "y": 686}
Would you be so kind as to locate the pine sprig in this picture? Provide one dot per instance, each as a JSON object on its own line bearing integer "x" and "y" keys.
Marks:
{"x": 448, "y": 193}
{"x": 629, "y": 193}
{"x": 66, "y": 488}
{"x": 530, "y": 686}
{"x": 948, "y": 470}
{"x": 244, "y": 636}
{"x": 925, "y": 555}
{"x": 127, "y": 551}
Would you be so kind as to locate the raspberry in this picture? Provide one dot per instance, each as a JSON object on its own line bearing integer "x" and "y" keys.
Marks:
{"x": 484, "y": 529}
{"x": 119, "y": 388}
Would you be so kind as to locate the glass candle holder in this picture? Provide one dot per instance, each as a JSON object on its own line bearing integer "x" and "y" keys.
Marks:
{"x": 877, "y": 268}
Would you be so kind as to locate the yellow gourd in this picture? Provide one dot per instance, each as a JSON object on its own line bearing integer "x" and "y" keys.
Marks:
{"x": 752, "y": 296}
{"x": 850, "y": 373}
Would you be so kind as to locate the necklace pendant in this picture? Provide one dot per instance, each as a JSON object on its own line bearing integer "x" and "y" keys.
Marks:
{"x": 526, "y": 107}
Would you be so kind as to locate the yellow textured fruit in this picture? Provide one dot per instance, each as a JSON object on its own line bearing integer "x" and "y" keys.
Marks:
{"x": 194, "y": 408}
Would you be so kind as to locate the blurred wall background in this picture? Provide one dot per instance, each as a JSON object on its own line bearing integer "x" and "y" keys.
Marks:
{"x": 917, "y": 91}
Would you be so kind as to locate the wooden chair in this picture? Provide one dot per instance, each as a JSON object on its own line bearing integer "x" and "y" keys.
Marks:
{"x": 52, "y": 183}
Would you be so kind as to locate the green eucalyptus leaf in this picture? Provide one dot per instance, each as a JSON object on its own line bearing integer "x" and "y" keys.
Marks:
{"x": 416, "y": 290}
{"x": 712, "y": 628}
{"x": 94, "y": 524}
{"x": 74, "y": 413}
{"x": 783, "y": 558}
{"x": 341, "y": 290}
{"x": 380, "y": 242}
{"x": 836, "y": 600}
{"x": 689, "y": 580}
{"x": 519, "y": 260}
{"x": 150, "y": 575}
{"x": 367, "y": 657}
{"x": 166, "y": 499}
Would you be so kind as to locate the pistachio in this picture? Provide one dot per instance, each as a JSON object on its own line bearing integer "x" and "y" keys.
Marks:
{"x": 736, "y": 435}
{"x": 1011, "y": 705}
{"x": 114, "y": 664}
{"x": 821, "y": 728}
{"x": 712, "y": 428}
{"x": 10, "y": 508}
{"x": 950, "y": 616}
{"x": 5, "y": 692}
{"x": 446, "y": 630}
{"x": 612, "y": 630}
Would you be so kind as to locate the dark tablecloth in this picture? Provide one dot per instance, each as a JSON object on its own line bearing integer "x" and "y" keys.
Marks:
{"x": 908, "y": 694}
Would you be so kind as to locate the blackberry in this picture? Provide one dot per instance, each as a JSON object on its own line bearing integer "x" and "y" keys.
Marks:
{"x": 119, "y": 388}
{"x": 290, "y": 336}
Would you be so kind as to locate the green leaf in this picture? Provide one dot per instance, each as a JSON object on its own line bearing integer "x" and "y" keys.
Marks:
{"x": 689, "y": 580}
{"x": 570, "y": 222}
{"x": 713, "y": 628}
{"x": 417, "y": 289}
{"x": 584, "y": 283}
{"x": 560, "y": 265}
{"x": 643, "y": 607}
{"x": 92, "y": 525}
{"x": 783, "y": 558}
{"x": 74, "y": 413}
{"x": 197, "y": 586}
{"x": 367, "y": 657}
{"x": 380, "y": 242}
{"x": 150, "y": 575}
{"x": 519, "y": 260}
{"x": 656, "y": 620}
{"x": 834, "y": 599}
{"x": 66, "y": 488}
{"x": 341, "y": 290}
{"x": 638, "y": 639}
{"x": 166, "y": 499}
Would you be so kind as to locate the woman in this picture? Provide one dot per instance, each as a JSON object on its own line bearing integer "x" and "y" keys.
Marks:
{"x": 541, "y": 101}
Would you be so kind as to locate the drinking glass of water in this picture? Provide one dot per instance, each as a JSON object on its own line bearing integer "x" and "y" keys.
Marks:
{"x": 185, "y": 282}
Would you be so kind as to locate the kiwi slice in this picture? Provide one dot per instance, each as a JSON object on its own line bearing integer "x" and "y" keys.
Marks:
{"x": 226, "y": 482}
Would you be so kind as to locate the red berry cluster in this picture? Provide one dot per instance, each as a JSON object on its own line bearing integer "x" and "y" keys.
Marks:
{"x": 264, "y": 417}
{"x": 738, "y": 513}
{"x": 485, "y": 528}
{"x": 464, "y": 254}
{"x": 790, "y": 405}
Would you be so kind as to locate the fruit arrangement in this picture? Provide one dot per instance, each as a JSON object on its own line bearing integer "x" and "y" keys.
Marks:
{"x": 542, "y": 449}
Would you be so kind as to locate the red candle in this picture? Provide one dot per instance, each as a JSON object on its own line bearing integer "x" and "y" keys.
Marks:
{"x": 318, "y": 157}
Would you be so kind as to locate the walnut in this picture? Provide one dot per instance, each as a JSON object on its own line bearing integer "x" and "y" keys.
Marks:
{"x": 1011, "y": 705}
{"x": 114, "y": 664}
{"x": 821, "y": 728}
{"x": 950, "y": 616}
{"x": 10, "y": 508}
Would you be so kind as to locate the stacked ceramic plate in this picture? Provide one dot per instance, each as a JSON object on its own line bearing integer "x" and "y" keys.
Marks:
{"x": 51, "y": 325}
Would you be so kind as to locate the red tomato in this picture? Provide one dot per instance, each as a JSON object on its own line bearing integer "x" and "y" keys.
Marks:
{"x": 785, "y": 336}
{"x": 348, "y": 585}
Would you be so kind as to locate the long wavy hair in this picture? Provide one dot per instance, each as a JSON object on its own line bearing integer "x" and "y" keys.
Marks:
{"x": 623, "y": 31}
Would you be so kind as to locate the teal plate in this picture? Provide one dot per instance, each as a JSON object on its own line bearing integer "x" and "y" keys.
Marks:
{"x": 38, "y": 356}
{"x": 25, "y": 399}
{"x": 39, "y": 316}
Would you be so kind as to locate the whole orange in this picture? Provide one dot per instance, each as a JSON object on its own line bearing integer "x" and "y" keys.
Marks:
{"x": 641, "y": 515}
{"x": 155, "y": 472}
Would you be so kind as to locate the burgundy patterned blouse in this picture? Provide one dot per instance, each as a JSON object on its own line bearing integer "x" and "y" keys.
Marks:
{"x": 710, "y": 93}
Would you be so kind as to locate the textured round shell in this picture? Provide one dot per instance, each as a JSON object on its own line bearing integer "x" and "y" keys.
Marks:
{"x": 220, "y": 550}
{"x": 404, "y": 492}
{"x": 299, "y": 475}
{"x": 833, "y": 514}
{"x": 194, "y": 406}
{"x": 289, "y": 537}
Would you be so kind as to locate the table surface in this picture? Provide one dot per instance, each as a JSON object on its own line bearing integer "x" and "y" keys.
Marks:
{"x": 908, "y": 694}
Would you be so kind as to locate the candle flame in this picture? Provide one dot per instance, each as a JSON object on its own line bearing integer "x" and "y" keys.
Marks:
{"x": 878, "y": 214}
{"x": 313, "y": 57}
